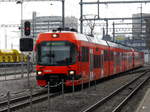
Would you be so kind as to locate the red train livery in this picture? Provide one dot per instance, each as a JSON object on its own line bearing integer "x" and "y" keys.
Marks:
{"x": 73, "y": 56}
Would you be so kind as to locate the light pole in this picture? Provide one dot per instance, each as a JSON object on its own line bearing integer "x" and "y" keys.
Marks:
{"x": 21, "y": 33}
{"x": 63, "y": 14}
{"x": 21, "y": 26}
{"x": 81, "y": 16}
{"x": 5, "y": 39}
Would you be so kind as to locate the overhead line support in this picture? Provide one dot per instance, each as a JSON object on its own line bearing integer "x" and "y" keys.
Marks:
{"x": 115, "y": 2}
{"x": 115, "y": 18}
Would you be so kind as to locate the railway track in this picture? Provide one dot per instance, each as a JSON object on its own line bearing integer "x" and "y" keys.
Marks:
{"x": 19, "y": 102}
{"x": 14, "y": 70}
{"x": 12, "y": 64}
{"x": 116, "y": 100}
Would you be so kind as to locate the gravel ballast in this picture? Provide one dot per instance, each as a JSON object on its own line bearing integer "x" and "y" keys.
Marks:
{"x": 80, "y": 100}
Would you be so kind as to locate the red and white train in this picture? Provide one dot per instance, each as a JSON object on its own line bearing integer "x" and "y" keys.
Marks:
{"x": 73, "y": 56}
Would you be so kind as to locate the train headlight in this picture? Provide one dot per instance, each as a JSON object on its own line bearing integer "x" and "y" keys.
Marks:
{"x": 71, "y": 72}
{"x": 39, "y": 72}
{"x": 55, "y": 35}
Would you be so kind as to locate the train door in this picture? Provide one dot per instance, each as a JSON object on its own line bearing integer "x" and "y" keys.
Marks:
{"x": 123, "y": 69}
{"x": 115, "y": 63}
{"x": 91, "y": 65}
{"x": 120, "y": 61}
{"x": 127, "y": 61}
{"x": 102, "y": 64}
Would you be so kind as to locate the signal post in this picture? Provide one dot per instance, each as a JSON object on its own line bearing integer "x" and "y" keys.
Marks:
{"x": 26, "y": 45}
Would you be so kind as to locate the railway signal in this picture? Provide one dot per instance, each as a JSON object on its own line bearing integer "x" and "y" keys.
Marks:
{"x": 27, "y": 28}
{"x": 26, "y": 44}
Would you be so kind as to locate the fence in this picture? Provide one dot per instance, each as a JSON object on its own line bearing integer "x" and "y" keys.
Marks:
{"x": 51, "y": 103}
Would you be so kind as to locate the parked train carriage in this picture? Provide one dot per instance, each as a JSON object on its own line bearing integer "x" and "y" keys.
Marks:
{"x": 6, "y": 56}
{"x": 72, "y": 56}
{"x": 11, "y": 56}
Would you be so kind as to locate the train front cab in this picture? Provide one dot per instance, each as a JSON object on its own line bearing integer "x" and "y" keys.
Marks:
{"x": 57, "y": 59}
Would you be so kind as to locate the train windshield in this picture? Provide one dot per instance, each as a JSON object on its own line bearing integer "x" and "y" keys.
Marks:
{"x": 56, "y": 53}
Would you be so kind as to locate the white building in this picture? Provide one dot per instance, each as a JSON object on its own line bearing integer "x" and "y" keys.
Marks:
{"x": 48, "y": 23}
{"x": 140, "y": 26}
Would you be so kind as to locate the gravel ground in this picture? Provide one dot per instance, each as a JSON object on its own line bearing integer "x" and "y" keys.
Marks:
{"x": 80, "y": 100}
{"x": 133, "y": 104}
{"x": 92, "y": 96}
{"x": 15, "y": 86}
{"x": 74, "y": 102}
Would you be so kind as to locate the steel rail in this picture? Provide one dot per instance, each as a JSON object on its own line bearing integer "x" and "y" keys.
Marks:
{"x": 18, "y": 103}
{"x": 14, "y": 100}
{"x": 119, "y": 107}
{"x": 13, "y": 73}
{"x": 27, "y": 102}
{"x": 102, "y": 101}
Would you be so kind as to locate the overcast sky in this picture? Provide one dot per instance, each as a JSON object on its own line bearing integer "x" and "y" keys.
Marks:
{"x": 11, "y": 14}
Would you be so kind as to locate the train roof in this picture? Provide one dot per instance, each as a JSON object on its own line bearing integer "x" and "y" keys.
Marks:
{"x": 95, "y": 39}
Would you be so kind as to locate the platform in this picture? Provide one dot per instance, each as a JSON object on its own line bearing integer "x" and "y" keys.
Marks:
{"x": 145, "y": 103}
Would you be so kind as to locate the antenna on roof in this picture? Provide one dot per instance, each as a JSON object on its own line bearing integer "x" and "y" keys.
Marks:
{"x": 65, "y": 29}
{"x": 73, "y": 30}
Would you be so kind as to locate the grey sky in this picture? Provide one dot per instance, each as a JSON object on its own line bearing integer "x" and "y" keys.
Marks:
{"x": 10, "y": 13}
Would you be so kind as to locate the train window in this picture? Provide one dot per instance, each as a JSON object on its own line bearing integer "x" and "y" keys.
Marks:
{"x": 123, "y": 56}
{"x": 118, "y": 61}
{"x": 130, "y": 59}
{"x": 111, "y": 56}
{"x": 56, "y": 53}
{"x": 105, "y": 55}
{"x": 85, "y": 54}
{"x": 97, "y": 61}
